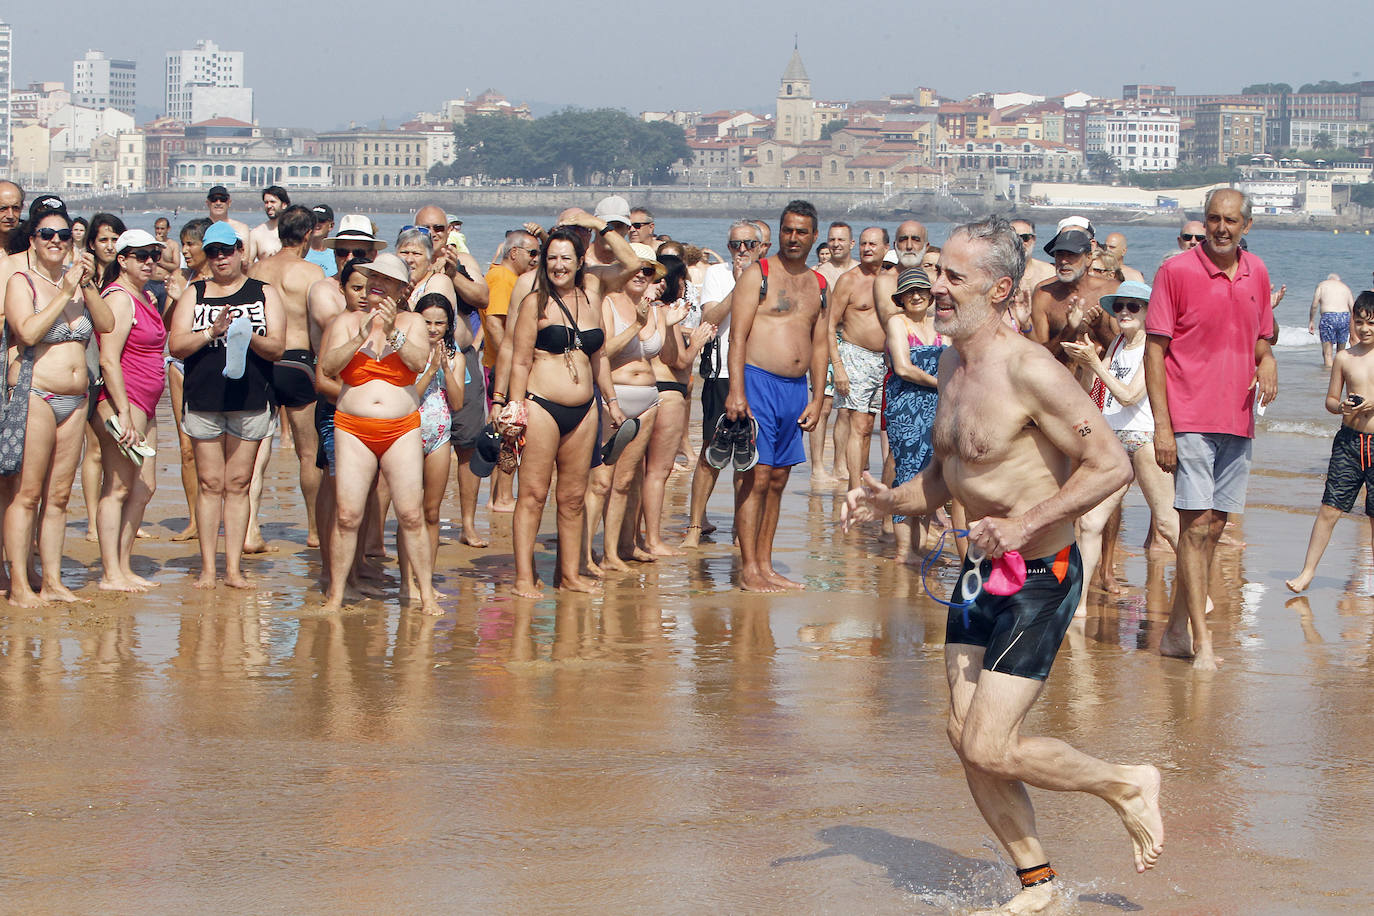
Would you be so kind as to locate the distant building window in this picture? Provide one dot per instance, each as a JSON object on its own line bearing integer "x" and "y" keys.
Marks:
{"x": 364, "y": 181}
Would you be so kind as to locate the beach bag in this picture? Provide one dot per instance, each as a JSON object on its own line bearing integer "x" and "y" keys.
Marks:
{"x": 14, "y": 409}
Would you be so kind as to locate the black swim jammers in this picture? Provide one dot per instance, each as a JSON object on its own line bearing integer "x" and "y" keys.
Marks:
{"x": 1351, "y": 466}
{"x": 1021, "y": 632}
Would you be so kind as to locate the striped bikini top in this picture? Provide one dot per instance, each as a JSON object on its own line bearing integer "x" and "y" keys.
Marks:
{"x": 79, "y": 331}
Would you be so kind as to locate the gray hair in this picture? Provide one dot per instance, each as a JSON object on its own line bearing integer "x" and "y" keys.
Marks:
{"x": 1003, "y": 254}
{"x": 416, "y": 235}
{"x": 1245, "y": 205}
{"x": 747, "y": 224}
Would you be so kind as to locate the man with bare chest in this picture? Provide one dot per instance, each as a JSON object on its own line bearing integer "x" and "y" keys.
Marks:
{"x": 1066, "y": 306}
{"x": 778, "y": 334}
{"x": 858, "y": 347}
{"x": 293, "y": 376}
{"x": 1025, "y": 450}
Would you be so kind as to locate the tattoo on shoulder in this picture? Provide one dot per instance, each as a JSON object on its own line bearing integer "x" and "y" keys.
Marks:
{"x": 1083, "y": 428}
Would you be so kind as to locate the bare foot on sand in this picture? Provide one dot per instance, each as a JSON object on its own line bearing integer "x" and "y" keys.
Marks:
{"x": 579, "y": 585}
{"x": 527, "y": 590}
{"x": 206, "y": 580}
{"x": 61, "y": 594}
{"x": 1206, "y": 661}
{"x": 1175, "y": 646}
{"x": 331, "y": 607}
{"x": 260, "y": 548}
{"x": 663, "y": 550}
{"x": 472, "y": 540}
{"x": 757, "y": 582}
{"x": 693, "y": 537}
{"x": 779, "y": 579}
{"x": 640, "y": 555}
{"x": 237, "y": 580}
{"x": 187, "y": 534}
{"x": 92, "y": 537}
{"x": 118, "y": 585}
{"x": 26, "y": 599}
{"x": 1030, "y": 900}
{"x": 312, "y": 540}
{"x": 1299, "y": 582}
{"x": 613, "y": 563}
{"x": 501, "y": 507}
{"x": 1139, "y": 810}
{"x": 591, "y": 568}
{"x": 822, "y": 479}
{"x": 145, "y": 535}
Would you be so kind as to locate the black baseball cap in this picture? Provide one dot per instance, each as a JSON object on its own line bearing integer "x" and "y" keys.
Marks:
{"x": 323, "y": 213}
{"x": 217, "y": 189}
{"x": 1073, "y": 240}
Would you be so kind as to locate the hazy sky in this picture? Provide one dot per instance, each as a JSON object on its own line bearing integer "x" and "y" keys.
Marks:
{"x": 321, "y": 64}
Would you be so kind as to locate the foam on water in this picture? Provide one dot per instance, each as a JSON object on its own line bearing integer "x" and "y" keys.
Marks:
{"x": 1296, "y": 428}
{"x": 1296, "y": 337}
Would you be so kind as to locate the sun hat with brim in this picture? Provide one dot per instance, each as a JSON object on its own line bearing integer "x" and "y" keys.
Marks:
{"x": 622, "y": 437}
{"x": 1072, "y": 240}
{"x": 220, "y": 233}
{"x": 649, "y": 258}
{"x": 355, "y": 228}
{"x": 135, "y": 238}
{"x": 911, "y": 278}
{"x": 387, "y": 265}
{"x": 1131, "y": 289}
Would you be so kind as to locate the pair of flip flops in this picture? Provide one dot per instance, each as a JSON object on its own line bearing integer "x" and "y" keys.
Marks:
{"x": 622, "y": 437}
{"x": 136, "y": 452}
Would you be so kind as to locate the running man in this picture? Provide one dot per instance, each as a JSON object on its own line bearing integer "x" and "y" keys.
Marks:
{"x": 1025, "y": 450}
{"x": 778, "y": 332}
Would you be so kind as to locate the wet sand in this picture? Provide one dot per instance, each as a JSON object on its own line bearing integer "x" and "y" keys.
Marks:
{"x": 672, "y": 745}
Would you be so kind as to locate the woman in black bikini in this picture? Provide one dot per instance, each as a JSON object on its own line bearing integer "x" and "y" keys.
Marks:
{"x": 556, "y": 356}
{"x": 48, "y": 319}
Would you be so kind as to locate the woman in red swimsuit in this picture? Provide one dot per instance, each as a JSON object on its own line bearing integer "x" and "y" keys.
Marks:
{"x": 377, "y": 354}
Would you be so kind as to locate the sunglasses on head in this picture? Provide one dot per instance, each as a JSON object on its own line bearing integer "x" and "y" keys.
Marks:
{"x": 1127, "y": 305}
{"x": 352, "y": 252}
{"x": 1189, "y": 237}
{"x": 218, "y": 198}
{"x": 1026, "y": 236}
{"x": 48, "y": 233}
{"x": 742, "y": 244}
{"x": 218, "y": 251}
{"x": 424, "y": 229}
{"x": 145, "y": 254}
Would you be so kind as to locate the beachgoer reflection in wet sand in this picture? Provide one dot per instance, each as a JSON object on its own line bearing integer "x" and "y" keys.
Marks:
{"x": 1026, "y": 452}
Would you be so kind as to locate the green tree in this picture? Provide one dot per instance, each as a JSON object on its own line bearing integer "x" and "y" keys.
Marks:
{"x": 831, "y": 127}
{"x": 1363, "y": 194}
{"x": 1321, "y": 140}
{"x": 1102, "y": 167}
{"x": 1267, "y": 89}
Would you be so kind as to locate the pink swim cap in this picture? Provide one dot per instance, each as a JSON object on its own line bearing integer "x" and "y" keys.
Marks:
{"x": 1007, "y": 575}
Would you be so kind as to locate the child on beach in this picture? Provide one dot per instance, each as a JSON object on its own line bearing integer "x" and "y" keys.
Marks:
{"x": 1352, "y": 451}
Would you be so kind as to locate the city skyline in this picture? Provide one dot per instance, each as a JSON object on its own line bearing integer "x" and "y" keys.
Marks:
{"x": 743, "y": 53}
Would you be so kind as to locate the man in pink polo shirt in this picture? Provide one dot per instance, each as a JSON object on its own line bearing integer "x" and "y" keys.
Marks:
{"x": 1207, "y": 359}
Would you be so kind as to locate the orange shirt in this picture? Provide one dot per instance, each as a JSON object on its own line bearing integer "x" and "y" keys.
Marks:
{"x": 500, "y": 284}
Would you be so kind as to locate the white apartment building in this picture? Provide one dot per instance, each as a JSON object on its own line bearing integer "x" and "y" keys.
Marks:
{"x": 99, "y": 82}
{"x": 6, "y": 84}
{"x": 1138, "y": 139}
{"x": 206, "y": 66}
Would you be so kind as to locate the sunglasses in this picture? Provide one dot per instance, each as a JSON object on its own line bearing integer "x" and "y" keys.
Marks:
{"x": 218, "y": 251}
{"x": 640, "y": 225}
{"x": 145, "y": 254}
{"x": 910, "y": 238}
{"x": 1026, "y": 236}
{"x": 424, "y": 229}
{"x": 48, "y": 233}
{"x": 742, "y": 244}
{"x": 532, "y": 252}
{"x": 1127, "y": 305}
{"x": 647, "y": 271}
{"x": 218, "y": 199}
{"x": 1188, "y": 237}
{"x": 352, "y": 252}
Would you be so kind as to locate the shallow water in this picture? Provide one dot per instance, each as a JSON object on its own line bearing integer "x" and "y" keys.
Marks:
{"x": 674, "y": 745}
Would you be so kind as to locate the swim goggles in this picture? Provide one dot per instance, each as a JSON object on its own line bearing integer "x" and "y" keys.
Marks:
{"x": 1006, "y": 574}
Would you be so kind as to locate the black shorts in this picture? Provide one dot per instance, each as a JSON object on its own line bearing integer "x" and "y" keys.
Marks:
{"x": 714, "y": 392}
{"x": 1351, "y": 467}
{"x": 324, "y": 429}
{"x": 1021, "y": 632}
{"x": 293, "y": 379}
{"x": 469, "y": 419}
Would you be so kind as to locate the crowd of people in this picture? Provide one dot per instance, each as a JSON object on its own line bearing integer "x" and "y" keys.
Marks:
{"x": 1012, "y": 401}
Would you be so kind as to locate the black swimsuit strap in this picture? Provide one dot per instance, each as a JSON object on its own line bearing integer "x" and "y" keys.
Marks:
{"x": 575, "y": 342}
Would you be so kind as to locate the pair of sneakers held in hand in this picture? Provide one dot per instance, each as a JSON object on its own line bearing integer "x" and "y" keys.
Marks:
{"x": 734, "y": 441}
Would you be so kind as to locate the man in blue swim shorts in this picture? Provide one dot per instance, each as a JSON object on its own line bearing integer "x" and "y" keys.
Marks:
{"x": 1330, "y": 317}
{"x": 778, "y": 332}
{"x": 1025, "y": 451}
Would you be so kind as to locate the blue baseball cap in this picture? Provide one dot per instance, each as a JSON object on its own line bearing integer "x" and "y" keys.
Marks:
{"x": 220, "y": 233}
{"x": 1131, "y": 289}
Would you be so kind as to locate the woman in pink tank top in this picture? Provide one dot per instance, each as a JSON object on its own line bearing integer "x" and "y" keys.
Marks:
{"x": 135, "y": 374}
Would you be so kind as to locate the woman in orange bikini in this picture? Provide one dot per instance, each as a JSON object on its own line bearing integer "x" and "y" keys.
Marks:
{"x": 377, "y": 354}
